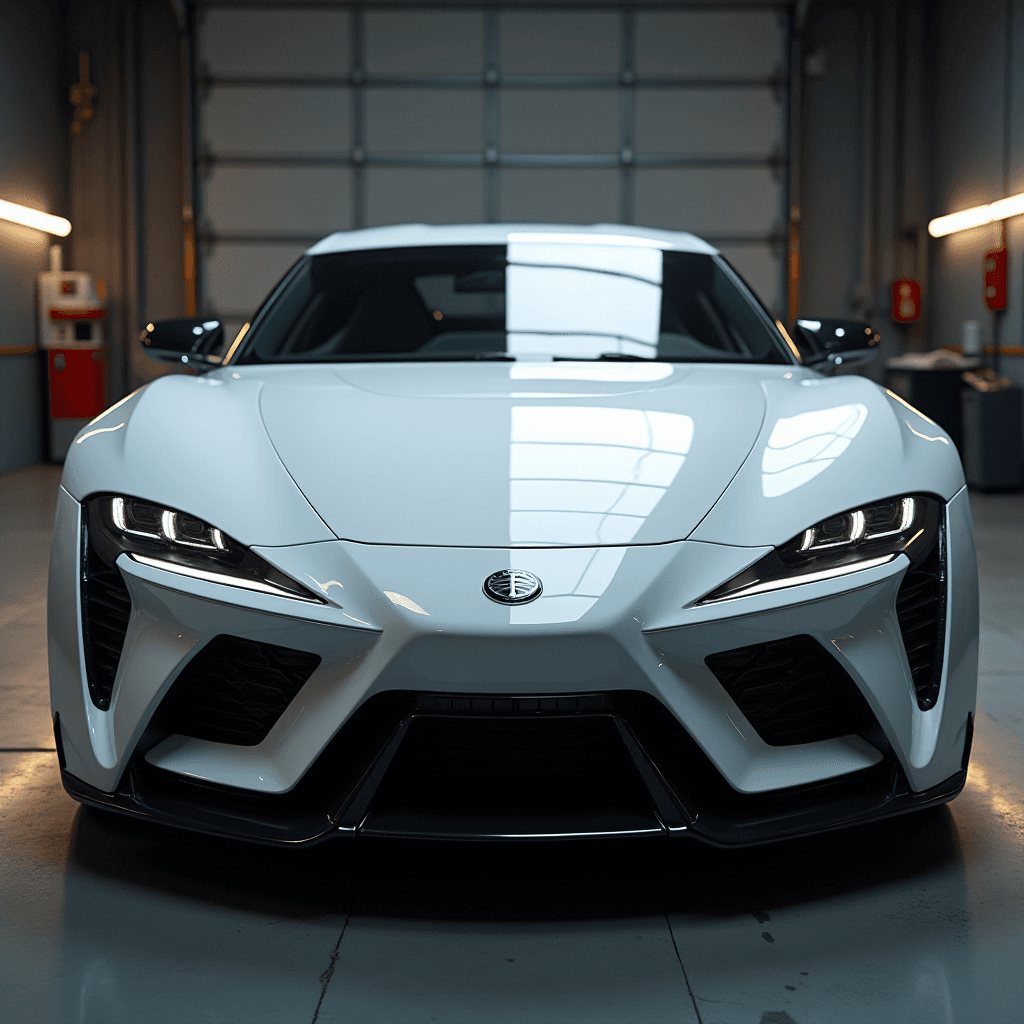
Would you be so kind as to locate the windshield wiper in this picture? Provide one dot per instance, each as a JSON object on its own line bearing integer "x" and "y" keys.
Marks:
{"x": 627, "y": 357}
{"x": 617, "y": 357}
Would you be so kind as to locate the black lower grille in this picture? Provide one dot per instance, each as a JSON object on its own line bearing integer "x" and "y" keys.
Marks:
{"x": 106, "y": 608}
{"x": 483, "y": 705}
{"x": 921, "y": 611}
{"x": 792, "y": 691}
{"x": 234, "y": 690}
{"x": 463, "y": 776}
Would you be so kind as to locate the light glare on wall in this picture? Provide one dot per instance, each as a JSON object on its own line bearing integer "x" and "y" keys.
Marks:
{"x": 976, "y": 216}
{"x": 34, "y": 218}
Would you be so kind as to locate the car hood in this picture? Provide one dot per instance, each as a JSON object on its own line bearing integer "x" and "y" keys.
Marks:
{"x": 513, "y": 454}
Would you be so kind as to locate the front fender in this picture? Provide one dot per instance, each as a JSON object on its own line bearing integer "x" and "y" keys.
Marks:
{"x": 197, "y": 444}
{"x": 827, "y": 445}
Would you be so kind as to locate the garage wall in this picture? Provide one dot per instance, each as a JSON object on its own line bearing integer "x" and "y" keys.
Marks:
{"x": 127, "y": 173}
{"x": 835, "y": 147}
{"x": 312, "y": 119}
{"x": 912, "y": 110}
{"x": 978, "y": 157}
{"x": 34, "y": 116}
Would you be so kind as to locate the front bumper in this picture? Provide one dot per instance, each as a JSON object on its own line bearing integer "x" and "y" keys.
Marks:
{"x": 621, "y": 623}
{"x": 657, "y": 783}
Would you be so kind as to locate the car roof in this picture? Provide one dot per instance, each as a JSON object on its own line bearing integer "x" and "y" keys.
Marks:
{"x": 397, "y": 236}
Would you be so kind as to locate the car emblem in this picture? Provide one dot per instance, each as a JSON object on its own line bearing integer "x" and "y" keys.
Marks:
{"x": 512, "y": 586}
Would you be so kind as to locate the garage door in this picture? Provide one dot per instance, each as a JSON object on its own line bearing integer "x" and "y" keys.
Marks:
{"x": 314, "y": 119}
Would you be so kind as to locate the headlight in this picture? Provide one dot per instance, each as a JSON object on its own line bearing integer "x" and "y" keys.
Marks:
{"x": 164, "y": 538}
{"x": 849, "y": 542}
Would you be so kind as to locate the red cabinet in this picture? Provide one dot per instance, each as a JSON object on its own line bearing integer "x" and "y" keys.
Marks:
{"x": 77, "y": 383}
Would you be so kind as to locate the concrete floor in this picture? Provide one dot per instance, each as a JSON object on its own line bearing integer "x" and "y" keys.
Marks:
{"x": 104, "y": 920}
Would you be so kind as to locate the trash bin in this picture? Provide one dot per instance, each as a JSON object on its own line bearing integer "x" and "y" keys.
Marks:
{"x": 992, "y": 450}
{"x": 933, "y": 391}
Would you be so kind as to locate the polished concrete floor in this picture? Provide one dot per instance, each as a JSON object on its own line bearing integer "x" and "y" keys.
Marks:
{"x": 104, "y": 920}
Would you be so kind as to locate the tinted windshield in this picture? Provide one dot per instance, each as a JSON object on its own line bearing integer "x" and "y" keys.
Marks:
{"x": 521, "y": 300}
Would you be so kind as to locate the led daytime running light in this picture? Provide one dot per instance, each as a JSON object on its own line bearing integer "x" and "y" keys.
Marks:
{"x": 169, "y": 529}
{"x": 117, "y": 513}
{"x": 217, "y": 577}
{"x": 169, "y": 525}
{"x": 766, "y": 586}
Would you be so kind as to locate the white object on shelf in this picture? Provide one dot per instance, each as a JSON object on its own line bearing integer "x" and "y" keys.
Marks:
{"x": 970, "y": 337}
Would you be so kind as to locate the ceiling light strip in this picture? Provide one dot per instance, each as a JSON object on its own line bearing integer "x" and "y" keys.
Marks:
{"x": 30, "y": 218}
{"x": 976, "y": 216}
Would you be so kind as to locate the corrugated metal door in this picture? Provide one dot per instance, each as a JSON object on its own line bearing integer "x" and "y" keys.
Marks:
{"x": 314, "y": 119}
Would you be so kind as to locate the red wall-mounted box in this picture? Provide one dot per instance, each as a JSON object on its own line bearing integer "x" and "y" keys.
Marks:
{"x": 995, "y": 279}
{"x": 906, "y": 300}
{"x": 77, "y": 384}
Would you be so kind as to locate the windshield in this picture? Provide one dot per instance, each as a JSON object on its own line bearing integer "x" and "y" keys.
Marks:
{"x": 525, "y": 300}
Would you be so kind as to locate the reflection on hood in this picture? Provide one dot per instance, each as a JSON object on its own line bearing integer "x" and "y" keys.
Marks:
{"x": 801, "y": 447}
{"x": 590, "y": 475}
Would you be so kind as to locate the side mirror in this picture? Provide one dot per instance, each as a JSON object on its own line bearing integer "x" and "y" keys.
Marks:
{"x": 835, "y": 343}
{"x": 187, "y": 341}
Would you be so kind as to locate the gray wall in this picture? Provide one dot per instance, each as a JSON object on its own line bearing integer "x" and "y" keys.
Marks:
{"x": 833, "y": 163}
{"x": 126, "y": 172}
{"x": 865, "y": 175}
{"x": 978, "y": 138}
{"x": 161, "y": 200}
{"x": 35, "y": 119}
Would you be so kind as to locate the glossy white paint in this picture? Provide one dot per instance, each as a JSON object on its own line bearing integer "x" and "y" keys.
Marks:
{"x": 829, "y": 444}
{"x": 195, "y": 444}
{"x": 397, "y": 236}
{"x": 508, "y": 460}
{"x": 630, "y": 489}
{"x": 587, "y": 631}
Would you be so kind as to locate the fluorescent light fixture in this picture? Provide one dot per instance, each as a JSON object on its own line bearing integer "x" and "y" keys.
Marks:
{"x": 807, "y": 577}
{"x": 34, "y": 218}
{"x": 976, "y": 216}
{"x": 215, "y": 577}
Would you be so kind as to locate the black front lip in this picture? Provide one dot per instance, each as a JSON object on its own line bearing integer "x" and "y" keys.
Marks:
{"x": 687, "y": 804}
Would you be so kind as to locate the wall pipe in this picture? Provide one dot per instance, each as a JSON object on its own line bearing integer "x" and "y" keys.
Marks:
{"x": 799, "y": 19}
{"x": 183, "y": 14}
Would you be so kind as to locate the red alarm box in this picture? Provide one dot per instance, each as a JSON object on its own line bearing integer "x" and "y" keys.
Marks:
{"x": 995, "y": 279}
{"x": 906, "y": 300}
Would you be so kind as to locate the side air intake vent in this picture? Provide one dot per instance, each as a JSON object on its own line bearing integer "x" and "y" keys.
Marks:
{"x": 921, "y": 611}
{"x": 234, "y": 690}
{"x": 106, "y": 608}
{"x": 792, "y": 691}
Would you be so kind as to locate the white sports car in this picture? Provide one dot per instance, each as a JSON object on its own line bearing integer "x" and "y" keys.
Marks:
{"x": 508, "y": 532}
